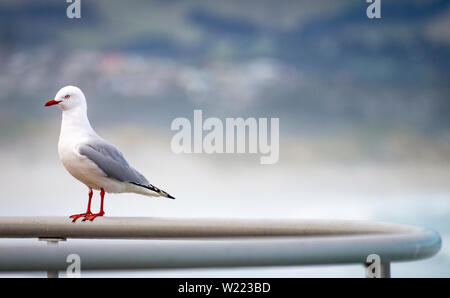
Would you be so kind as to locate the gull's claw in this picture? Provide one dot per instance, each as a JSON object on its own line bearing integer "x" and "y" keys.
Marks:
{"x": 92, "y": 216}
{"x": 77, "y": 216}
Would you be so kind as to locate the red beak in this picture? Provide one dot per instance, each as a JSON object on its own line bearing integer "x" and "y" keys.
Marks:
{"x": 51, "y": 102}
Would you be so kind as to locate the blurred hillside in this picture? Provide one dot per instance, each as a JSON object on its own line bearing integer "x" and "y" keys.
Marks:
{"x": 323, "y": 67}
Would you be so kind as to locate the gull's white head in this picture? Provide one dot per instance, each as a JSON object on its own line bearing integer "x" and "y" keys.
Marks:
{"x": 68, "y": 98}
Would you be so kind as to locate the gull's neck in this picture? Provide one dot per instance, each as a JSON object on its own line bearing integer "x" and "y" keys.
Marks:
{"x": 75, "y": 124}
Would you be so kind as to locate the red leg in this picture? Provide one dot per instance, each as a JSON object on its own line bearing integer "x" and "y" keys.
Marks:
{"x": 88, "y": 211}
{"x": 92, "y": 216}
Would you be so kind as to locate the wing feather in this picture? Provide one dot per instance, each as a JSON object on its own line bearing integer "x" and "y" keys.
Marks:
{"x": 111, "y": 161}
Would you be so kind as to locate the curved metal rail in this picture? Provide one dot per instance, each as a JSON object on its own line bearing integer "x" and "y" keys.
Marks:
{"x": 209, "y": 243}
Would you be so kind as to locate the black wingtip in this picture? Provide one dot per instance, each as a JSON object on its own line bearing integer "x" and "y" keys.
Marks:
{"x": 155, "y": 189}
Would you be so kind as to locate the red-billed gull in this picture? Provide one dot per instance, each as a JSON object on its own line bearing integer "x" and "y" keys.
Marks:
{"x": 91, "y": 159}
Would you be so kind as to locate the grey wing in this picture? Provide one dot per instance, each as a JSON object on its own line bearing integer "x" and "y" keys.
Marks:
{"x": 111, "y": 162}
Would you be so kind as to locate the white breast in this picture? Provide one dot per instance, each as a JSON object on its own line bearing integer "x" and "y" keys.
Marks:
{"x": 78, "y": 166}
{"x": 84, "y": 169}
{"x": 75, "y": 131}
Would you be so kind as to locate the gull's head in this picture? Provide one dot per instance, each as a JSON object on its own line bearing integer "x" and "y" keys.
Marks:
{"x": 68, "y": 98}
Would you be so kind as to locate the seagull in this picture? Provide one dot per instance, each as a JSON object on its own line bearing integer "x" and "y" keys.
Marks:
{"x": 92, "y": 160}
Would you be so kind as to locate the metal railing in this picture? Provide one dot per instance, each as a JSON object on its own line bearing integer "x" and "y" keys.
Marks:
{"x": 195, "y": 243}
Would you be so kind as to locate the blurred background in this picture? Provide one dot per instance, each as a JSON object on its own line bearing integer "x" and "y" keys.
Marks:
{"x": 363, "y": 107}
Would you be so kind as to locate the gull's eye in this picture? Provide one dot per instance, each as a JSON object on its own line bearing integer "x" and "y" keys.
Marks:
{"x": 67, "y": 96}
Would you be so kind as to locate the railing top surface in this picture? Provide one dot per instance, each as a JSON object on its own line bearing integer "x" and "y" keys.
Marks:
{"x": 142, "y": 228}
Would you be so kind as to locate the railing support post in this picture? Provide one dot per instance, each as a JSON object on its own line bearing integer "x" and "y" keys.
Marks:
{"x": 385, "y": 269}
{"x": 52, "y": 241}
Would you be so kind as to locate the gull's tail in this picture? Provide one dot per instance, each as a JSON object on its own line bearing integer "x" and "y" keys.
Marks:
{"x": 154, "y": 191}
